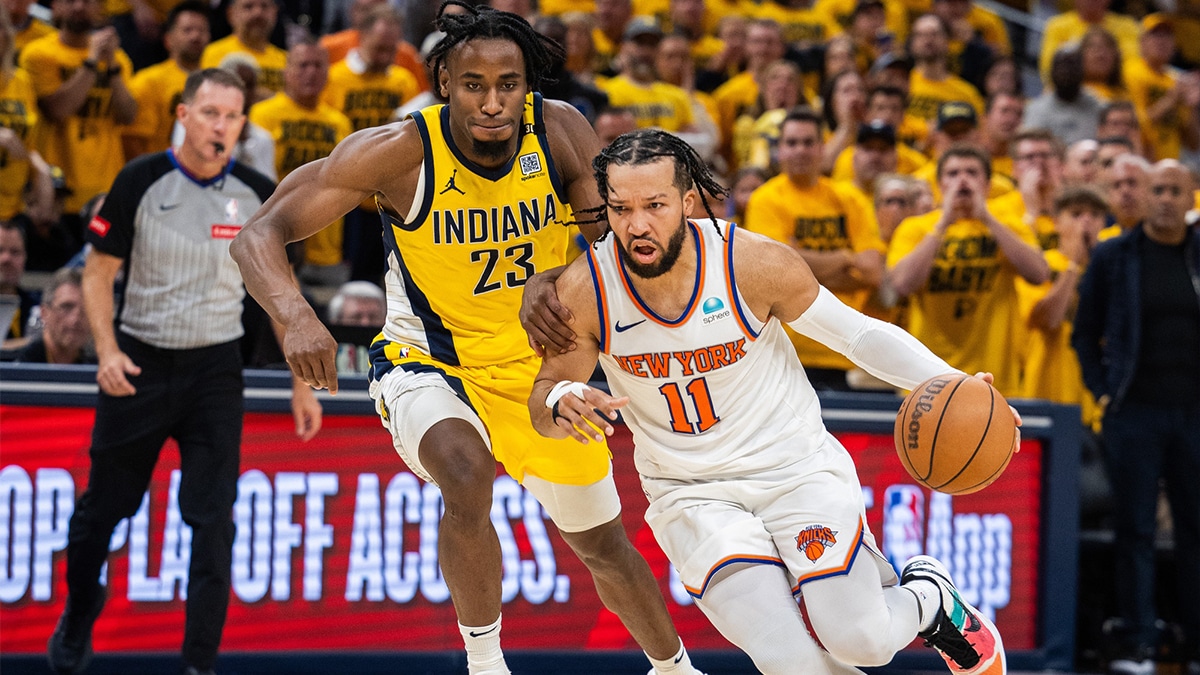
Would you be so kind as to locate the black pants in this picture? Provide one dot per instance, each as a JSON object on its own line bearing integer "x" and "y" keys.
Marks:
{"x": 195, "y": 397}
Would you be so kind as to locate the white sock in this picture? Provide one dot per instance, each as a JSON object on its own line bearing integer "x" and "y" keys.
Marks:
{"x": 483, "y": 649}
{"x": 929, "y": 600}
{"x": 678, "y": 664}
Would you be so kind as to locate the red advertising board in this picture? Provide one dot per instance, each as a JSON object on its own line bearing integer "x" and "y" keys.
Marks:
{"x": 336, "y": 545}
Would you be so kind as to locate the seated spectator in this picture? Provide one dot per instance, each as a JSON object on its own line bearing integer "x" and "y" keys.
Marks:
{"x": 957, "y": 125}
{"x": 1119, "y": 119}
{"x": 895, "y": 199}
{"x": 252, "y": 22}
{"x": 1065, "y": 30}
{"x": 1168, "y": 103}
{"x": 764, "y": 46}
{"x": 674, "y": 65}
{"x": 844, "y": 109}
{"x": 732, "y": 32}
{"x": 1002, "y": 77}
{"x": 1065, "y": 109}
{"x": 1000, "y": 124}
{"x": 756, "y": 130}
{"x": 340, "y": 44}
{"x": 12, "y": 267}
{"x": 873, "y": 155}
{"x": 1102, "y": 73}
{"x": 355, "y": 315}
{"x": 65, "y": 334}
{"x": 932, "y": 81}
{"x": 971, "y": 51}
{"x": 1081, "y": 166}
{"x": 654, "y": 102}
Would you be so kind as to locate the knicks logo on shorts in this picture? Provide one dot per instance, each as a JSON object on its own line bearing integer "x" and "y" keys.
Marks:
{"x": 814, "y": 539}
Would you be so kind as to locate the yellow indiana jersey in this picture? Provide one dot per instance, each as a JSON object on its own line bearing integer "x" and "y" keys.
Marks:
{"x": 1146, "y": 87}
{"x": 19, "y": 112}
{"x": 271, "y": 60}
{"x": 157, "y": 89}
{"x": 87, "y": 146}
{"x": 459, "y": 259}
{"x": 926, "y": 96}
{"x": 302, "y": 135}
{"x": 825, "y": 217}
{"x": 659, "y": 104}
{"x": 966, "y": 312}
{"x": 368, "y": 99}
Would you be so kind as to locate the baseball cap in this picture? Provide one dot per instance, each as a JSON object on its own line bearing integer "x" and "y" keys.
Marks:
{"x": 1155, "y": 21}
{"x": 954, "y": 111}
{"x": 876, "y": 129}
{"x": 889, "y": 60}
{"x": 640, "y": 26}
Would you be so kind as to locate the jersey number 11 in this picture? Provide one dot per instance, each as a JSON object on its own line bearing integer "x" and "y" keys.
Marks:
{"x": 681, "y": 422}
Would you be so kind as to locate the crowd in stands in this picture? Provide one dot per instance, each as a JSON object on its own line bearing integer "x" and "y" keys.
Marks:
{"x": 897, "y": 143}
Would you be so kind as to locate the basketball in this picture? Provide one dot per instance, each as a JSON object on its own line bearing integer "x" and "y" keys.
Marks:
{"x": 955, "y": 434}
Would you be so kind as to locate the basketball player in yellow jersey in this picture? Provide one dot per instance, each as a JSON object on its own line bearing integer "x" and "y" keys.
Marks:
{"x": 481, "y": 187}
{"x": 957, "y": 265}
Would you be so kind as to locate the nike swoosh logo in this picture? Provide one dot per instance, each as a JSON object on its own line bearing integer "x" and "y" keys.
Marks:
{"x": 474, "y": 634}
{"x": 680, "y": 657}
{"x": 166, "y": 207}
{"x": 622, "y": 329}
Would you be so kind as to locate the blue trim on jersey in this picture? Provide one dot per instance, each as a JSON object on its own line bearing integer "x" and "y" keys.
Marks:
{"x": 441, "y": 342}
{"x": 687, "y": 310}
{"x": 539, "y": 122}
{"x": 733, "y": 291}
{"x": 202, "y": 182}
{"x": 430, "y": 176}
{"x": 597, "y": 284}
{"x": 734, "y": 561}
{"x": 455, "y": 383}
{"x": 493, "y": 175}
{"x": 844, "y": 570}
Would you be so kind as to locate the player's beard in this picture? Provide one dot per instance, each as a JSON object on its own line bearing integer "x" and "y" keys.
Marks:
{"x": 670, "y": 255}
{"x": 491, "y": 150}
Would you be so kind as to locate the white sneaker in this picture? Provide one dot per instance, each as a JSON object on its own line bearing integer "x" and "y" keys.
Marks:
{"x": 1131, "y": 667}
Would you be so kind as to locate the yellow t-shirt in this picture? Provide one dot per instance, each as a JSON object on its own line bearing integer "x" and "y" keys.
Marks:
{"x": 19, "y": 112}
{"x": 302, "y": 135}
{"x": 659, "y": 105}
{"x": 117, "y": 7}
{"x": 1003, "y": 166}
{"x": 271, "y": 60}
{"x": 1068, "y": 27}
{"x": 1051, "y": 368}
{"x": 907, "y": 162}
{"x": 368, "y": 99}
{"x": 991, "y": 29}
{"x": 895, "y": 15}
{"x": 800, "y": 24}
{"x": 926, "y": 96}
{"x": 558, "y": 7}
{"x": 733, "y": 98}
{"x": 826, "y": 217}
{"x": 34, "y": 30}
{"x": 158, "y": 89}
{"x": 1146, "y": 87}
{"x": 87, "y": 146}
{"x": 913, "y": 131}
{"x": 967, "y": 311}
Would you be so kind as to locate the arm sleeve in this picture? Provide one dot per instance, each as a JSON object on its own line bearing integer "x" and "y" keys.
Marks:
{"x": 881, "y": 349}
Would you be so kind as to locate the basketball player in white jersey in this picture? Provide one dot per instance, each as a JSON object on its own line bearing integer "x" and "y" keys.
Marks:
{"x": 751, "y": 498}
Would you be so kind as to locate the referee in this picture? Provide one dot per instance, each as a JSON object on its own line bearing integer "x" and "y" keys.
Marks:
{"x": 171, "y": 366}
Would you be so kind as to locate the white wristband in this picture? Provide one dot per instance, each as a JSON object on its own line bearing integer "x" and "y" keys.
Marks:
{"x": 562, "y": 389}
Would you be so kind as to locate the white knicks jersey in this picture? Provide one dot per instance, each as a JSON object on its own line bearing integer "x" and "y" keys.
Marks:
{"x": 713, "y": 393}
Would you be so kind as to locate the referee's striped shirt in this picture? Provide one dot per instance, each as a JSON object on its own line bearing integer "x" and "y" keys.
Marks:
{"x": 182, "y": 289}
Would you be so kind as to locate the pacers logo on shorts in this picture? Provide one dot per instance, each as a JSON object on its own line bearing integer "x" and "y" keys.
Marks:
{"x": 814, "y": 539}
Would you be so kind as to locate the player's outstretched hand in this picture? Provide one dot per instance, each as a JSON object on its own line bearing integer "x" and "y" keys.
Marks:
{"x": 989, "y": 378}
{"x": 311, "y": 353}
{"x": 543, "y": 317}
{"x": 591, "y": 416}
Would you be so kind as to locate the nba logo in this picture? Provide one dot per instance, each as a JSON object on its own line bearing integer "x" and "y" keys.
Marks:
{"x": 903, "y": 523}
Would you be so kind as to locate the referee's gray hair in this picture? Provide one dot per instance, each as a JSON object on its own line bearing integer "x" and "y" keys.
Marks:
{"x": 363, "y": 290}
{"x": 219, "y": 76}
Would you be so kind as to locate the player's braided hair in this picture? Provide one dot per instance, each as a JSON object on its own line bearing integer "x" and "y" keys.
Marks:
{"x": 540, "y": 52}
{"x": 647, "y": 145}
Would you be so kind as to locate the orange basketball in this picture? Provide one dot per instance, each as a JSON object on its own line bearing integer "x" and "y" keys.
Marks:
{"x": 955, "y": 434}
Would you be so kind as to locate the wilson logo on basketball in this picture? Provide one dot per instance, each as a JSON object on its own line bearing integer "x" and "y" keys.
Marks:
{"x": 921, "y": 405}
{"x": 814, "y": 539}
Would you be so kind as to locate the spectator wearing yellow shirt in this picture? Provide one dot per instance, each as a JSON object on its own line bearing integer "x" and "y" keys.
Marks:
{"x": 1068, "y": 27}
{"x": 675, "y": 66}
{"x": 1038, "y": 161}
{"x": 843, "y": 109}
{"x": 367, "y": 86}
{"x": 304, "y": 130}
{"x": 895, "y": 72}
{"x": 730, "y": 60}
{"x": 159, "y": 88}
{"x": 1102, "y": 71}
{"x": 22, "y": 170}
{"x": 957, "y": 125}
{"x": 653, "y": 102}
{"x": 79, "y": 76}
{"x": 868, "y": 30}
{"x": 802, "y": 25}
{"x": 970, "y": 52}
{"x": 931, "y": 83}
{"x": 26, "y": 27}
{"x": 1168, "y": 102}
{"x": 884, "y": 104}
{"x": 872, "y": 155}
{"x": 1119, "y": 119}
{"x": 895, "y": 15}
{"x": 764, "y": 46}
{"x": 831, "y": 225}
{"x": 957, "y": 267}
{"x": 612, "y": 16}
{"x": 339, "y": 44}
{"x": 1000, "y": 124}
{"x": 686, "y": 18}
{"x": 252, "y": 22}
{"x": 756, "y": 131}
